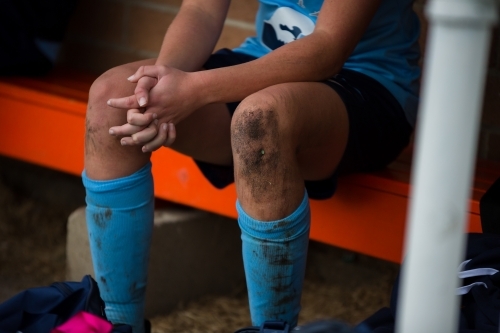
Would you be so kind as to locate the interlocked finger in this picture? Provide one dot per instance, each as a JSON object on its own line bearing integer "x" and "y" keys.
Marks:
{"x": 137, "y": 118}
{"x": 171, "y": 135}
{"x": 165, "y": 137}
{"x": 128, "y": 102}
{"x": 146, "y": 134}
{"x": 157, "y": 142}
{"x": 144, "y": 85}
{"x": 151, "y": 71}
{"x": 124, "y": 130}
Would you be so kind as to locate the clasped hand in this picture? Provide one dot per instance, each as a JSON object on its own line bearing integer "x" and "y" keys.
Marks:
{"x": 162, "y": 98}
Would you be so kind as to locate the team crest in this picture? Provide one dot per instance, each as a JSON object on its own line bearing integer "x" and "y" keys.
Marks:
{"x": 285, "y": 26}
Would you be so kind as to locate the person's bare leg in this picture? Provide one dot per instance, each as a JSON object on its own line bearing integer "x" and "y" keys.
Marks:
{"x": 203, "y": 135}
{"x": 281, "y": 136}
{"x": 119, "y": 187}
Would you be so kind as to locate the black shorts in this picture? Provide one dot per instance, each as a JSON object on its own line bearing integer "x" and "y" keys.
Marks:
{"x": 378, "y": 129}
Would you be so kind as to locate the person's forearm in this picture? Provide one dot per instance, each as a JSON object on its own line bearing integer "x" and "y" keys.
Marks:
{"x": 318, "y": 56}
{"x": 192, "y": 36}
{"x": 312, "y": 58}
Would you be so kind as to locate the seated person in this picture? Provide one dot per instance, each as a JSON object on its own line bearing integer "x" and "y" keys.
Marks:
{"x": 324, "y": 88}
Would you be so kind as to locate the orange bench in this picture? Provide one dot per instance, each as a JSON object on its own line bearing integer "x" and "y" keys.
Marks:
{"x": 43, "y": 123}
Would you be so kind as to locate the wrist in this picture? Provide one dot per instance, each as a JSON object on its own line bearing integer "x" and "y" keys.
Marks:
{"x": 200, "y": 92}
{"x": 204, "y": 88}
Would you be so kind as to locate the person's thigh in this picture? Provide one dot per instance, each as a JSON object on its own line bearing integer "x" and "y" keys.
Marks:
{"x": 203, "y": 135}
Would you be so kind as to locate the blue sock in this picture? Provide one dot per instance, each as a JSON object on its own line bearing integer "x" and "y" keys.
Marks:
{"x": 120, "y": 222}
{"x": 274, "y": 257}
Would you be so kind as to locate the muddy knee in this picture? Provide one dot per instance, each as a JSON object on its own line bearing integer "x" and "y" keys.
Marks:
{"x": 96, "y": 120}
{"x": 260, "y": 148}
{"x": 100, "y": 117}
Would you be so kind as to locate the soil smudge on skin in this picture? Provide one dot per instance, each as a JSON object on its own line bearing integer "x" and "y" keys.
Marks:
{"x": 90, "y": 144}
{"x": 255, "y": 137}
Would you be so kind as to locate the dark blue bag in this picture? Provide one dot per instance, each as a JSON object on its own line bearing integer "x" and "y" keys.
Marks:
{"x": 38, "y": 310}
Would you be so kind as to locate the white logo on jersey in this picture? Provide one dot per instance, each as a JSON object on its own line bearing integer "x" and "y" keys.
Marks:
{"x": 285, "y": 26}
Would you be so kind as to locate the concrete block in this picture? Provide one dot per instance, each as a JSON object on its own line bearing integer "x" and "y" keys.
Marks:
{"x": 78, "y": 259}
{"x": 193, "y": 254}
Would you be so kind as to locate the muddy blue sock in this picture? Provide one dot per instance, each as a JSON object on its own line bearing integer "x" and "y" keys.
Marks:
{"x": 120, "y": 222}
{"x": 274, "y": 257}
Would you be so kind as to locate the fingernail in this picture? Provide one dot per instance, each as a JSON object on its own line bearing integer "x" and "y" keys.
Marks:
{"x": 108, "y": 102}
{"x": 124, "y": 143}
{"x": 156, "y": 121}
{"x": 130, "y": 77}
{"x": 155, "y": 116}
{"x": 111, "y": 132}
{"x": 144, "y": 149}
{"x": 164, "y": 127}
{"x": 142, "y": 101}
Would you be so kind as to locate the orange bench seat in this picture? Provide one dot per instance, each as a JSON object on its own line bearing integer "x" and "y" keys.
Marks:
{"x": 43, "y": 122}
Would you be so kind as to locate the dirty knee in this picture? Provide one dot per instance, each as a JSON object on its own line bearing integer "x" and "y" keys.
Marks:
{"x": 98, "y": 120}
{"x": 255, "y": 140}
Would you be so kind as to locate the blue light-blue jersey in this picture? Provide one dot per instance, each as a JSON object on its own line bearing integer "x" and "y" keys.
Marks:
{"x": 387, "y": 52}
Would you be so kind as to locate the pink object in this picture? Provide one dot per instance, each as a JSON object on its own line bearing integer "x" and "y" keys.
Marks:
{"x": 84, "y": 322}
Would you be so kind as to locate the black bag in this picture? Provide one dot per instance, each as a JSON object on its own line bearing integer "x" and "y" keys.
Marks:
{"x": 489, "y": 207}
{"x": 480, "y": 293}
{"x": 39, "y": 310}
{"x": 480, "y": 303}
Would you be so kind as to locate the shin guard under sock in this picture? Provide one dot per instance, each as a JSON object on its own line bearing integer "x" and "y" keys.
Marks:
{"x": 120, "y": 222}
{"x": 274, "y": 257}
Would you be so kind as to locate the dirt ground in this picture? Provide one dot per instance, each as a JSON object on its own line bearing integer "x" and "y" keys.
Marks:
{"x": 34, "y": 206}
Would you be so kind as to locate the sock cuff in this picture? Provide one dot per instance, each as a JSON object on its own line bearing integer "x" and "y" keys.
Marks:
{"x": 288, "y": 228}
{"x": 130, "y": 314}
{"x": 102, "y": 186}
{"x": 128, "y": 192}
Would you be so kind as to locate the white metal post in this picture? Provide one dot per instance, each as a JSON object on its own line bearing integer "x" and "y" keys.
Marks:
{"x": 452, "y": 92}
